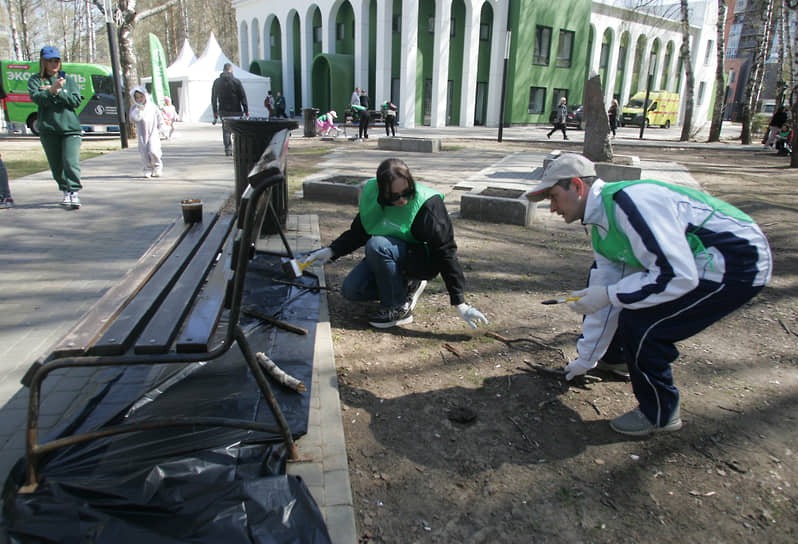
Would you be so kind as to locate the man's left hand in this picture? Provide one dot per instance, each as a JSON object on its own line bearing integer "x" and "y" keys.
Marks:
{"x": 590, "y": 300}
{"x": 577, "y": 367}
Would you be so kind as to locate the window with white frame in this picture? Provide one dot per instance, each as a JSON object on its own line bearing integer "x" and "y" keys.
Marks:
{"x": 710, "y": 47}
{"x": 701, "y": 88}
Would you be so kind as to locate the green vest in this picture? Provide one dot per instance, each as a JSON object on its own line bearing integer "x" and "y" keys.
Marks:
{"x": 391, "y": 220}
{"x": 617, "y": 247}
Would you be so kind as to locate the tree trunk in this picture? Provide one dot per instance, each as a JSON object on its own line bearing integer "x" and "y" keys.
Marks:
{"x": 12, "y": 23}
{"x": 757, "y": 61}
{"x": 720, "y": 83}
{"x": 763, "y": 51}
{"x": 689, "y": 77}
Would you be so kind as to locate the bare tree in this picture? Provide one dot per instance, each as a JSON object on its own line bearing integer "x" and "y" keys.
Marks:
{"x": 12, "y": 23}
{"x": 760, "y": 14}
{"x": 720, "y": 83}
{"x": 689, "y": 76}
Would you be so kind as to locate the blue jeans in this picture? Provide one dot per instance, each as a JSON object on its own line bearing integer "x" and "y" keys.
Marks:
{"x": 377, "y": 276}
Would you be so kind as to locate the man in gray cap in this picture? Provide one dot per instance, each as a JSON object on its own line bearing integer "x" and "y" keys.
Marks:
{"x": 669, "y": 262}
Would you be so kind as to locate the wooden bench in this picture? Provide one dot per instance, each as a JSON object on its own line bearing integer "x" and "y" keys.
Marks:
{"x": 167, "y": 309}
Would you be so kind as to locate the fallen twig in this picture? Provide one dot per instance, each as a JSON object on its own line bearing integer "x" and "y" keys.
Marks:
{"x": 274, "y": 321}
{"x": 786, "y": 328}
{"x": 510, "y": 341}
{"x": 559, "y": 372}
{"x": 593, "y": 404}
{"x": 735, "y": 410}
{"x": 520, "y": 430}
{"x": 451, "y": 348}
{"x": 279, "y": 375}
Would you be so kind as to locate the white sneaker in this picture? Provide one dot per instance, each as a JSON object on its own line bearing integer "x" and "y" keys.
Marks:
{"x": 157, "y": 173}
{"x": 67, "y": 199}
{"x": 74, "y": 200}
{"x": 147, "y": 173}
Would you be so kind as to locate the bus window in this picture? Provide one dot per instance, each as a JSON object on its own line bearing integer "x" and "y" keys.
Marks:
{"x": 102, "y": 84}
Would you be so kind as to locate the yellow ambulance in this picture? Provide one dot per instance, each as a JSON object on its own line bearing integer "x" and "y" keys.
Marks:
{"x": 663, "y": 109}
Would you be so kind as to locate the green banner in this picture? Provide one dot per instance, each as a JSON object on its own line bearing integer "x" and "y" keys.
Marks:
{"x": 160, "y": 85}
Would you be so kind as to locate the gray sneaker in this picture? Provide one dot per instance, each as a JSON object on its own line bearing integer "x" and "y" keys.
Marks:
{"x": 391, "y": 317}
{"x": 635, "y": 423}
{"x": 617, "y": 369}
{"x": 414, "y": 290}
{"x": 74, "y": 200}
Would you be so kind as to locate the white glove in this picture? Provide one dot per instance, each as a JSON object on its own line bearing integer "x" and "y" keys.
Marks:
{"x": 471, "y": 314}
{"x": 591, "y": 300}
{"x": 320, "y": 256}
{"x": 577, "y": 367}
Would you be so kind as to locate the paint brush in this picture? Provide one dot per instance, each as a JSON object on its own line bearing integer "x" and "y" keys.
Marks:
{"x": 560, "y": 300}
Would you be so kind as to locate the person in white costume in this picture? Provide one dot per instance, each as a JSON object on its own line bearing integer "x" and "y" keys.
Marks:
{"x": 149, "y": 125}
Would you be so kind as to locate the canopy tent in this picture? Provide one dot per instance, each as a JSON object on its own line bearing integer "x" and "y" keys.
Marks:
{"x": 185, "y": 59}
{"x": 194, "y": 81}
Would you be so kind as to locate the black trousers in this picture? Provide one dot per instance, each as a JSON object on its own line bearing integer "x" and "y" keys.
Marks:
{"x": 390, "y": 123}
{"x": 363, "y": 129}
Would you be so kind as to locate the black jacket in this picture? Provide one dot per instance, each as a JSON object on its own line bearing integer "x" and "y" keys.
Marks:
{"x": 431, "y": 225}
{"x": 228, "y": 96}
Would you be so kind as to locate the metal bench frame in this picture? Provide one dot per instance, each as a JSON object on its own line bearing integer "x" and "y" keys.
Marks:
{"x": 255, "y": 204}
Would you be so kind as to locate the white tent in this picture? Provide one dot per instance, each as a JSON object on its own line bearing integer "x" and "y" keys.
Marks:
{"x": 198, "y": 78}
{"x": 179, "y": 67}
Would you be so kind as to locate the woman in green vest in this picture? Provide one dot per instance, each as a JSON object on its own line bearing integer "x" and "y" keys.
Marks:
{"x": 408, "y": 239}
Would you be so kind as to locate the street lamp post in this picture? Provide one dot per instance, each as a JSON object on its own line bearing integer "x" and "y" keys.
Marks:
{"x": 113, "y": 46}
{"x": 504, "y": 82}
{"x": 652, "y": 61}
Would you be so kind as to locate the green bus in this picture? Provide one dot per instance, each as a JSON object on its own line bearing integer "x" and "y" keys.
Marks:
{"x": 97, "y": 111}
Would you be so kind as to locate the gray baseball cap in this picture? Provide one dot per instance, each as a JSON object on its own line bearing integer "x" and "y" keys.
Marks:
{"x": 569, "y": 165}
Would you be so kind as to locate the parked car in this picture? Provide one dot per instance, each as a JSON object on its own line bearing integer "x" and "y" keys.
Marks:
{"x": 574, "y": 118}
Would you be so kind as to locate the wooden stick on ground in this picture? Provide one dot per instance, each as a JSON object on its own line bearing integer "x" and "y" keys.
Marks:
{"x": 280, "y": 375}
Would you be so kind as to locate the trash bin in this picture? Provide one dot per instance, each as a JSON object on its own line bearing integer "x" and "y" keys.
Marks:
{"x": 250, "y": 138}
{"x": 309, "y": 117}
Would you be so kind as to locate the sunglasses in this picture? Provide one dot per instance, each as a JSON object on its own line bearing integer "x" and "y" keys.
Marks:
{"x": 406, "y": 194}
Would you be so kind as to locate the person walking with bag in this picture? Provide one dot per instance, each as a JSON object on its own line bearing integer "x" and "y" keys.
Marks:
{"x": 559, "y": 119}
{"x": 57, "y": 97}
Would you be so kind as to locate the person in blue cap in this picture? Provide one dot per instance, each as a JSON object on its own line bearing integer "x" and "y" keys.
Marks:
{"x": 57, "y": 97}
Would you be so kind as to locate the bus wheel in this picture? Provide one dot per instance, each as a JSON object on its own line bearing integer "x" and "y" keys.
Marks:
{"x": 33, "y": 123}
{"x": 667, "y": 124}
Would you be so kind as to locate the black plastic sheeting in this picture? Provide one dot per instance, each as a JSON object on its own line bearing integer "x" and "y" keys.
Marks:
{"x": 185, "y": 484}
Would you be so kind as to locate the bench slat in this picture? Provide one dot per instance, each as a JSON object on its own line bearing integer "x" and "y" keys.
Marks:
{"x": 94, "y": 322}
{"x": 119, "y": 336}
{"x": 163, "y": 326}
{"x": 201, "y": 324}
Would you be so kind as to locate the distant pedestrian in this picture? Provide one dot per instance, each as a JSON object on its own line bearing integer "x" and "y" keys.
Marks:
{"x": 279, "y": 105}
{"x": 149, "y": 124}
{"x": 363, "y": 112}
{"x": 612, "y": 115}
{"x": 57, "y": 96}
{"x": 389, "y": 116}
{"x": 268, "y": 103}
{"x": 355, "y": 98}
{"x": 169, "y": 114}
{"x": 326, "y": 122}
{"x": 560, "y": 117}
{"x": 5, "y": 192}
{"x": 776, "y": 122}
{"x": 228, "y": 99}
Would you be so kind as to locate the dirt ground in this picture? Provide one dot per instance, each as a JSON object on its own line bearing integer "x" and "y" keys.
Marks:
{"x": 451, "y": 439}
